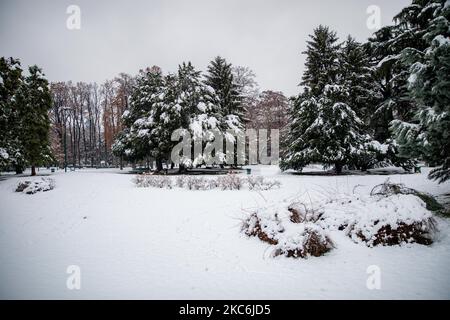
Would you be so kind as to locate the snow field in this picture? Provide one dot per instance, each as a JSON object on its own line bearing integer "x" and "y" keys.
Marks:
{"x": 153, "y": 243}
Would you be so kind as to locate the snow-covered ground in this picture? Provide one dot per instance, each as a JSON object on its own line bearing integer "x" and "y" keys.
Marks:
{"x": 178, "y": 244}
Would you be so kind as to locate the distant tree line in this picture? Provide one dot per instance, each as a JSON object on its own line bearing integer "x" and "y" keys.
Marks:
{"x": 362, "y": 105}
{"x": 225, "y": 99}
{"x": 95, "y": 125}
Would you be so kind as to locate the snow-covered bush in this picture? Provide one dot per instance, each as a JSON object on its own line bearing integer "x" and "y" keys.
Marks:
{"x": 299, "y": 212}
{"x": 230, "y": 182}
{"x": 264, "y": 226}
{"x": 156, "y": 181}
{"x": 33, "y": 186}
{"x": 388, "y": 188}
{"x": 308, "y": 239}
{"x": 380, "y": 220}
{"x": 260, "y": 183}
{"x": 180, "y": 181}
{"x": 196, "y": 183}
{"x": 291, "y": 239}
{"x": 301, "y": 229}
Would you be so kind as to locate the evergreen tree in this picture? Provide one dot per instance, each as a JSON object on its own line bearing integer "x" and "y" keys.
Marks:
{"x": 392, "y": 70}
{"x": 324, "y": 128}
{"x": 35, "y": 103}
{"x": 322, "y": 64}
{"x": 11, "y": 148}
{"x": 184, "y": 107}
{"x": 224, "y": 93}
{"x": 356, "y": 74}
{"x": 199, "y": 115}
{"x": 427, "y": 134}
{"x": 137, "y": 141}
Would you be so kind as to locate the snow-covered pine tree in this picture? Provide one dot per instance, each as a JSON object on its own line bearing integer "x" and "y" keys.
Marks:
{"x": 223, "y": 93}
{"x": 324, "y": 128}
{"x": 11, "y": 148}
{"x": 321, "y": 66}
{"x": 198, "y": 114}
{"x": 35, "y": 103}
{"x": 355, "y": 73}
{"x": 391, "y": 77}
{"x": 137, "y": 141}
{"x": 427, "y": 134}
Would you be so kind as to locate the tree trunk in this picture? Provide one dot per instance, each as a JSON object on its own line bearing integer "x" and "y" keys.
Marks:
{"x": 181, "y": 168}
{"x": 338, "y": 167}
{"x": 19, "y": 170}
{"x": 159, "y": 164}
{"x": 33, "y": 170}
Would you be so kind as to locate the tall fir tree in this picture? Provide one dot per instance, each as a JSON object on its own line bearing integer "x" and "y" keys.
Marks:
{"x": 321, "y": 66}
{"x": 324, "y": 128}
{"x": 392, "y": 71}
{"x": 137, "y": 142}
{"x": 11, "y": 147}
{"x": 36, "y": 102}
{"x": 427, "y": 134}
{"x": 356, "y": 73}
{"x": 224, "y": 92}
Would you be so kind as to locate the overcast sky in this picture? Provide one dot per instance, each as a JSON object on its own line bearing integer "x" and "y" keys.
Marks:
{"x": 124, "y": 36}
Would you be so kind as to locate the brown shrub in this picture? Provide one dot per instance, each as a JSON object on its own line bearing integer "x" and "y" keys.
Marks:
{"x": 314, "y": 244}
{"x": 417, "y": 232}
{"x": 252, "y": 228}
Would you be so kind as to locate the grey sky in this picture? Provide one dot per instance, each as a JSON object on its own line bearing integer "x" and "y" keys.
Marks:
{"x": 125, "y": 36}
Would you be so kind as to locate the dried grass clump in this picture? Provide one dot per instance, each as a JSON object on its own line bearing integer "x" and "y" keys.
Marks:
{"x": 265, "y": 229}
{"x": 388, "y": 188}
{"x": 311, "y": 241}
{"x": 416, "y": 232}
{"x": 261, "y": 183}
{"x": 230, "y": 182}
{"x": 380, "y": 220}
{"x": 196, "y": 183}
{"x": 155, "y": 181}
{"x": 299, "y": 212}
{"x": 180, "y": 181}
{"x": 291, "y": 239}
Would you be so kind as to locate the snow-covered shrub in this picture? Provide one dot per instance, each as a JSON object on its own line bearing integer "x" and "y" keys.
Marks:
{"x": 156, "y": 181}
{"x": 161, "y": 182}
{"x": 307, "y": 240}
{"x": 299, "y": 212}
{"x": 180, "y": 181}
{"x": 230, "y": 182}
{"x": 301, "y": 229}
{"x": 380, "y": 220}
{"x": 254, "y": 181}
{"x": 291, "y": 239}
{"x": 196, "y": 183}
{"x": 141, "y": 181}
{"x": 260, "y": 183}
{"x": 213, "y": 183}
{"x": 388, "y": 188}
{"x": 33, "y": 186}
{"x": 264, "y": 226}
